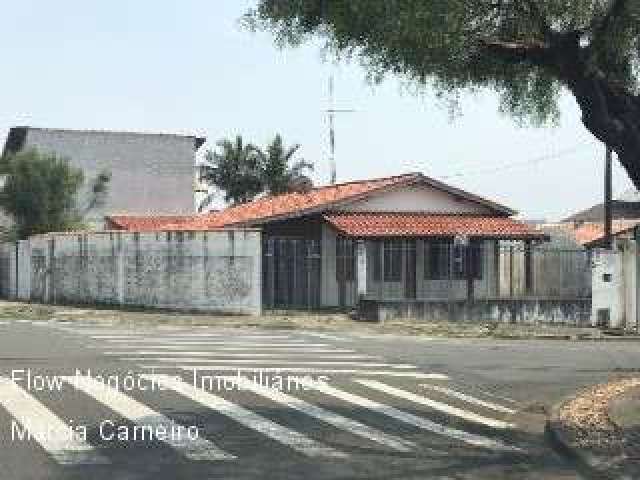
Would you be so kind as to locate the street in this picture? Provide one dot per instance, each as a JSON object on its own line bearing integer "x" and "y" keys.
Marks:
{"x": 177, "y": 402}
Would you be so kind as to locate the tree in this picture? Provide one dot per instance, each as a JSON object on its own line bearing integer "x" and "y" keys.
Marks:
{"x": 40, "y": 193}
{"x": 526, "y": 50}
{"x": 244, "y": 171}
{"x": 278, "y": 174}
{"x": 235, "y": 169}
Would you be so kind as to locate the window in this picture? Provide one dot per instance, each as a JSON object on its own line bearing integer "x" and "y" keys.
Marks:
{"x": 345, "y": 259}
{"x": 392, "y": 260}
{"x": 476, "y": 259}
{"x": 444, "y": 260}
{"x": 376, "y": 260}
{"x": 437, "y": 257}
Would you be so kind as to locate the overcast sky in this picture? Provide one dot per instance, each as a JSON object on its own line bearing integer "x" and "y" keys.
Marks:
{"x": 187, "y": 67}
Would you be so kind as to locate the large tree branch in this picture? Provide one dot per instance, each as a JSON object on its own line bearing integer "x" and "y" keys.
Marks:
{"x": 534, "y": 52}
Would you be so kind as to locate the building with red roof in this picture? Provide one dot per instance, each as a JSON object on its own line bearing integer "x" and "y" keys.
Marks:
{"x": 403, "y": 237}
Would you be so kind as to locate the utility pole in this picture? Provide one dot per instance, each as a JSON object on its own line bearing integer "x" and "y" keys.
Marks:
{"x": 607, "y": 199}
{"x": 331, "y": 111}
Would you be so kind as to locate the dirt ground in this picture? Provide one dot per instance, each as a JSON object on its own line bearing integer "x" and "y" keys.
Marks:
{"x": 327, "y": 322}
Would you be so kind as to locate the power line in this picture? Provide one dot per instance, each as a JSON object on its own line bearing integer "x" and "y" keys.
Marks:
{"x": 521, "y": 163}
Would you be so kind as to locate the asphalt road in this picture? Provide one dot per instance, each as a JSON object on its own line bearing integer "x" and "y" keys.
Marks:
{"x": 190, "y": 403}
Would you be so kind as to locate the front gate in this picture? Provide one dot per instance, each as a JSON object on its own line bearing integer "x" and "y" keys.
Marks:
{"x": 291, "y": 273}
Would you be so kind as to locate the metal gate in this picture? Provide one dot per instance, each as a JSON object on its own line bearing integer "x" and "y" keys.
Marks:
{"x": 291, "y": 273}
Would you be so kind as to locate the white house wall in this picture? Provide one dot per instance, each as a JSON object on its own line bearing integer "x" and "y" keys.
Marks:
{"x": 416, "y": 199}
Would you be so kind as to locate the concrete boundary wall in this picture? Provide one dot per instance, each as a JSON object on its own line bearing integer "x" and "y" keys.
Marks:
{"x": 575, "y": 312}
{"x": 216, "y": 271}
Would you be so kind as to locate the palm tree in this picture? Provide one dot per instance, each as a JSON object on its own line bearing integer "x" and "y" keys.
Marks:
{"x": 235, "y": 169}
{"x": 277, "y": 174}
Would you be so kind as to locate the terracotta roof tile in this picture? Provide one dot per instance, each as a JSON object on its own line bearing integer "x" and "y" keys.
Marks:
{"x": 293, "y": 203}
{"x": 591, "y": 233}
{"x": 150, "y": 223}
{"x": 378, "y": 224}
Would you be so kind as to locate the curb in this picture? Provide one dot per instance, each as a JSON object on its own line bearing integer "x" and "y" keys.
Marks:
{"x": 594, "y": 466}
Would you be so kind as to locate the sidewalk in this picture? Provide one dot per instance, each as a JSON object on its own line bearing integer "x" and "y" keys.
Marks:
{"x": 321, "y": 322}
{"x": 600, "y": 428}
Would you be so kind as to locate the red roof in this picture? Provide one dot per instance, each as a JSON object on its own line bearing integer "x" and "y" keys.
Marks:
{"x": 317, "y": 200}
{"x": 377, "y": 224}
{"x": 292, "y": 203}
{"x": 592, "y": 233}
{"x": 151, "y": 223}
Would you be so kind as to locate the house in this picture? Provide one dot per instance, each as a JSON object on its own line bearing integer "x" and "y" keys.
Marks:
{"x": 403, "y": 238}
{"x": 151, "y": 172}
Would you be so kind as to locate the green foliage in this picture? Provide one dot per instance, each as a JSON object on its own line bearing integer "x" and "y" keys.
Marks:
{"x": 515, "y": 47}
{"x": 244, "y": 171}
{"x": 40, "y": 194}
{"x": 276, "y": 170}
{"x": 235, "y": 170}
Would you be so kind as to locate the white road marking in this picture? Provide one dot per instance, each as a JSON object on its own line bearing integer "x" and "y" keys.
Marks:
{"x": 500, "y": 397}
{"x": 246, "y": 344}
{"x": 252, "y": 420}
{"x": 56, "y": 437}
{"x": 344, "y": 423}
{"x": 214, "y": 353}
{"x": 229, "y": 368}
{"x": 274, "y": 362}
{"x": 442, "y": 407}
{"x": 134, "y": 411}
{"x": 4, "y": 323}
{"x": 468, "y": 398}
{"x": 423, "y": 423}
{"x": 327, "y": 336}
{"x": 274, "y": 350}
{"x": 211, "y": 337}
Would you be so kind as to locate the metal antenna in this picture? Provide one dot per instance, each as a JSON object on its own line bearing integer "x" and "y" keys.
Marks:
{"x": 331, "y": 111}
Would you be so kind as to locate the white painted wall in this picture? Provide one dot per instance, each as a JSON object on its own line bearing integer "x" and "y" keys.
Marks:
{"x": 208, "y": 271}
{"x": 415, "y": 199}
{"x": 620, "y": 294}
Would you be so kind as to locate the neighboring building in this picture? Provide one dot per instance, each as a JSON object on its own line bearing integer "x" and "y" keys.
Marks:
{"x": 407, "y": 237}
{"x": 151, "y": 173}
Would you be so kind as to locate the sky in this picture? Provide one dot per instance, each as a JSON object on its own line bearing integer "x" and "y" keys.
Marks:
{"x": 189, "y": 67}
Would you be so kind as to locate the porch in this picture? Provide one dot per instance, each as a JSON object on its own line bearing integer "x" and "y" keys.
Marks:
{"x": 437, "y": 276}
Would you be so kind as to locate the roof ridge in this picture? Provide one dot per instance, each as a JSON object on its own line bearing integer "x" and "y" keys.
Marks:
{"x": 106, "y": 130}
{"x": 412, "y": 212}
{"x": 341, "y": 184}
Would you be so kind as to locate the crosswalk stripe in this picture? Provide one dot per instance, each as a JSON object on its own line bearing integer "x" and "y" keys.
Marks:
{"x": 405, "y": 417}
{"x": 442, "y": 407}
{"x": 229, "y": 368}
{"x": 344, "y": 423}
{"x": 469, "y": 399}
{"x": 200, "y": 337}
{"x": 276, "y": 350}
{"x": 327, "y": 336}
{"x": 65, "y": 445}
{"x": 274, "y": 362}
{"x": 215, "y": 353}
{"x": 258, "y": 345}
{"x": 194, "y": 449}
{"x": 181, "y": 353}
{"x": 248, "y": 418}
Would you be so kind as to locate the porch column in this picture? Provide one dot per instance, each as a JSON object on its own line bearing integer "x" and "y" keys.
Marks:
{"x": 361, "y": 263}
{"x": 468, "y": 262}
{"x": 528, "y": 268}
